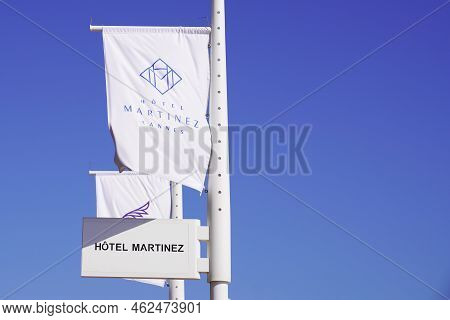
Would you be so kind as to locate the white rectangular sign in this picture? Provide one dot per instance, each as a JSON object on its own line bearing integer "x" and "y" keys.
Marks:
{"x": 142, "y": 248}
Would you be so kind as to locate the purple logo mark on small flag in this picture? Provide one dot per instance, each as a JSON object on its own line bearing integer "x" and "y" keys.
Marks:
{"x": 138, "y": 213}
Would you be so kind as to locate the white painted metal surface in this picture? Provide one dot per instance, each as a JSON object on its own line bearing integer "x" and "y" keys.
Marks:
{"x": 176, "y": 287}
{"x": 141, "y": 248}
{"x": 95, "y": 28}
{"x": 219, "y": 247}
{"x": 100, "y": 28}
{"x": 105, "y": 173}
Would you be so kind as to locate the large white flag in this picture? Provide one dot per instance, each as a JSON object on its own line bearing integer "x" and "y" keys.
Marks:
{"x": 133, "y": 196}
{"x": 157, "y": 81}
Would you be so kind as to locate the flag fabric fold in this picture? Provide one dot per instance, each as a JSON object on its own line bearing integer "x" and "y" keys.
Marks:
{"x": 157, "y": 81}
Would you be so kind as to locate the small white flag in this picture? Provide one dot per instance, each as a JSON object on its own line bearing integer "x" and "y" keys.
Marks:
{"x": 157, "y": 81}
{"x": 133, "y": 196}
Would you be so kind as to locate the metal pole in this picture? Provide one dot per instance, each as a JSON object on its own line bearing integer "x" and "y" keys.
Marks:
{"x": 100, "y": 28}
{"x": 95, "y": 28}
{"x": 219, "y": 246}
{"x": 176, "y": 287}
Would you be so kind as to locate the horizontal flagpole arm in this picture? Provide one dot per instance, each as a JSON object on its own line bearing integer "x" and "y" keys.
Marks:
{"x": 105, "y": 173}
{"x": 95, "y": 28}
{"x": 196, "y": 29}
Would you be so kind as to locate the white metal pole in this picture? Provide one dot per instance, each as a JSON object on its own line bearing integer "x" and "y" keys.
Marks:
{"x": 219, "y": 246}
{"x": 95, "y": 28}
{"x": 176, "y": 287}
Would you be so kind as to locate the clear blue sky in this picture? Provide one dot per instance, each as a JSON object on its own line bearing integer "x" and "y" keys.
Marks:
{"x": 379, "y": 149}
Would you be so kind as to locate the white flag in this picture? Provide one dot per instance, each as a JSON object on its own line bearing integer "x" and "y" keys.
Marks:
{"x": 133, "y": 196}
{"x": 157, "y": 81}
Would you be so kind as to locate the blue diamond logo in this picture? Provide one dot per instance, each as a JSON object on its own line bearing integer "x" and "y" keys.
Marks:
{"x": 161, "y": 76}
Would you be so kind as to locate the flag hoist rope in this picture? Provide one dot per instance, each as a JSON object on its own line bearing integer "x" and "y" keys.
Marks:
{"x": 219, "y": 215}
